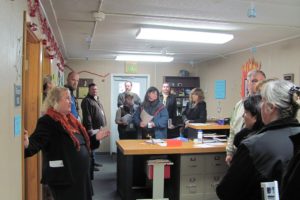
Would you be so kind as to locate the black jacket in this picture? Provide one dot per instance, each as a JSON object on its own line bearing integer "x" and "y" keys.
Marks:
{"x": 290, "y": 185}
{"x": 92, "y": 113}
{"x": 197, "y": 114}
{"x": 93, "y": 117}
{"x": 259, "y": 158}
{"x": 56, "y": 145}
{"x": 171, "y": 105}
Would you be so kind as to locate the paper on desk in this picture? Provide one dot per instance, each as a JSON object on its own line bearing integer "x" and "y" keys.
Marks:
{"x": 155, "y": 141}
{"x": 163, "y": 144}
{"x": 202, "y": 145}
{"x": 208, "y": 145}
{"x": 199, "y": 124}
{"x": 145, "y": 117}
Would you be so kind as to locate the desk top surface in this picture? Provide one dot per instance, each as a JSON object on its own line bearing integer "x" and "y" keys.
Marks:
{"x": 140, "y": 147}
{"x": 208, "y": 126}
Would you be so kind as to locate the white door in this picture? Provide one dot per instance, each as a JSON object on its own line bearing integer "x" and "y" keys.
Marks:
{"x": 140, "y": 84}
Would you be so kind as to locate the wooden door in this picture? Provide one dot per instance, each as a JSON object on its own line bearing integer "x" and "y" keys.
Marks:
{"x": 31, "y": 99}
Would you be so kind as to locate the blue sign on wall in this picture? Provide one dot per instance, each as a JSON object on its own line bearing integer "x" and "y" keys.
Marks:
{"x": 17, "y": 125}
{"x": 220, "y": 89}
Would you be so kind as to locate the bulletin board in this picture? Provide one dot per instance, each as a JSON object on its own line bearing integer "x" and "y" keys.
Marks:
{"x": 83, "y": 89}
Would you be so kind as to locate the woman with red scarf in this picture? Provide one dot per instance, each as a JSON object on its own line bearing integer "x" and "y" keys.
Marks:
{"x": 66, "y": 148}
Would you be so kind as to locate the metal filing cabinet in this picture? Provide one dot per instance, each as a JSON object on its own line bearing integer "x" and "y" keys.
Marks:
{"x": 200, "y": 174}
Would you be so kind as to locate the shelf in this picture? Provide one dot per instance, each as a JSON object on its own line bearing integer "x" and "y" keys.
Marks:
{"x": 181, "y": 87}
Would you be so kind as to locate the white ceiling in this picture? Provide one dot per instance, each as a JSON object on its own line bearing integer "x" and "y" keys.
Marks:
{"x": 80, "y": 36}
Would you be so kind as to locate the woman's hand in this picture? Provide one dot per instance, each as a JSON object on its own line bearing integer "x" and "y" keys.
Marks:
{"x": 186, "y": 123}
{"x": 228, "y": 159}
{"x": 143, "y": 125}
{"x": 151, "y": 125}
{"x": 26, "y": 139}
{"x": 102, "y": 133}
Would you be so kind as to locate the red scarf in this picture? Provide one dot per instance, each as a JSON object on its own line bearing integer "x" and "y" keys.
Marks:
{"x": 71, "y": 125}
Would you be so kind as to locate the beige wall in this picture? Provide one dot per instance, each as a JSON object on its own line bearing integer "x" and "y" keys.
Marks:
{"x": 155, "y": 72}
{"x": 276, "y": 59}
{"x": 11, "y": 35}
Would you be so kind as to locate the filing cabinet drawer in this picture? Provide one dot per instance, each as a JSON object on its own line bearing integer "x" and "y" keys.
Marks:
{"x": 203, "y": 163}
{"x": 192, "y": 164}
{"x": 211, "y": 182}
{"x": 192, "y": 184}
{"x": 215, "y": 163}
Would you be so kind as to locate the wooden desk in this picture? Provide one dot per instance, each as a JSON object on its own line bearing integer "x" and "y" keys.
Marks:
{"x": 209, "y": 126}
{"x": 127, "y": 150}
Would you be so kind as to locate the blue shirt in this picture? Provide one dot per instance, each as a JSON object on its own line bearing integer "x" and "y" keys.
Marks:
{"x": 73, "y": 107}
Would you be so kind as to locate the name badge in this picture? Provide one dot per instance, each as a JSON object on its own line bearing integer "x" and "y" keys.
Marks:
{"x": 56, "y": 163}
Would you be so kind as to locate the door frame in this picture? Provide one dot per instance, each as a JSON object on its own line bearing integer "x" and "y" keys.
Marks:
{"x": 113, "y": 107}
{"x": 31, "y": 103}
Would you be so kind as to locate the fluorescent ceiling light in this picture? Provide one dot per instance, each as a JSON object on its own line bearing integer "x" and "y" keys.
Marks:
{"x": 144, "y": 58}
{"x": 183, "y": 35}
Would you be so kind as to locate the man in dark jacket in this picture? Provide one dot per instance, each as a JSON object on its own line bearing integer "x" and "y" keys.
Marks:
{"x": 93, "y": 118}
{"x": 169, "y": 100}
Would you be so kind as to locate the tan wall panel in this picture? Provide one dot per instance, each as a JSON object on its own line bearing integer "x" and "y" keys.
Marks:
{"x": 276, "y": 59}
{"x": 11, "y": 34}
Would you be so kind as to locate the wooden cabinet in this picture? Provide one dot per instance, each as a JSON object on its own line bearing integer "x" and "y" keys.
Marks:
{"x": 181, "y": 87}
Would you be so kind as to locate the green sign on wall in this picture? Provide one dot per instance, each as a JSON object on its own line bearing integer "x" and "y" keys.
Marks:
{"x": 131, "y": 67}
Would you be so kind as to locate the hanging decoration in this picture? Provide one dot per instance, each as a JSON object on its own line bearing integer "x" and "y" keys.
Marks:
{"x": 251, "y": 64}
{"x": 48, "y": 41}
{"x": 84, "y": 71}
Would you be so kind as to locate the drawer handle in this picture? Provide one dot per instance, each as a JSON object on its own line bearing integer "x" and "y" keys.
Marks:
{"x": 192, "y": 180}
{"x": 217, "y": 157}
{"x": 192, "y": 166}
{"x": 193, "y": 159}
{"x": 216, "y": 178}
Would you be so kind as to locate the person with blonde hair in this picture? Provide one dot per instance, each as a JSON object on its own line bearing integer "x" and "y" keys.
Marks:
{"x": 65, "y": 146}
{"x": 195, "y": 110}
{"x": 264, "y": 156}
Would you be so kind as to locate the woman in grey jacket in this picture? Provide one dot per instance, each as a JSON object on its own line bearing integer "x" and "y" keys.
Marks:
{"x": 265, "y": 155}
